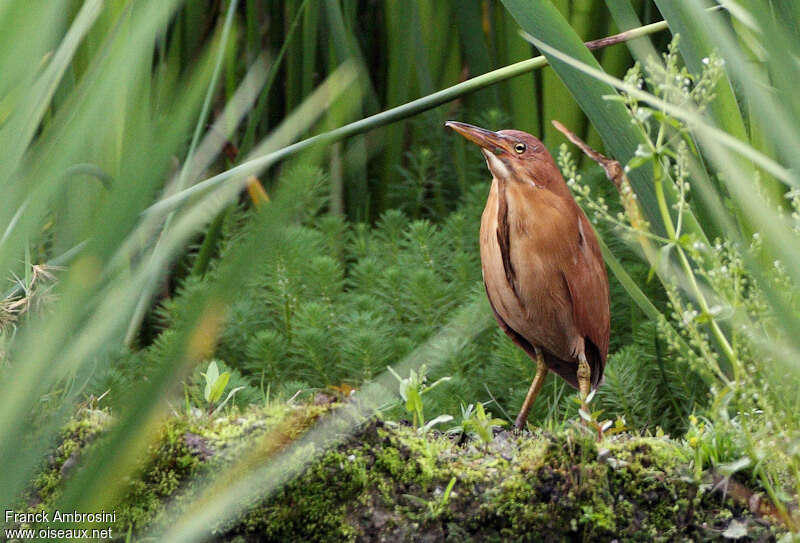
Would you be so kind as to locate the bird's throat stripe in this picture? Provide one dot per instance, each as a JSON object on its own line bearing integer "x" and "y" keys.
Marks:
{"x": 504, "y": 239}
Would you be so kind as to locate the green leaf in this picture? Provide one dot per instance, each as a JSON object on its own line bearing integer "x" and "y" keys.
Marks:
{"x": 437, "y": 383}
{"x": 697, "y": 43}
{"x": 17, "y": 133}
{"x": 448, "y": 490}
{"x": 667, "y": 119}
{"x": 637, "y": 162}
{"x": 227, "y": 398}
{"x": 219, "y": 387}
{"x": 211, "y": 375}
{"x": 433, "y": 422}
{"x": 467, "y": 17}
{"x": 519, "y": 91}
{"x": 664, "y": 259}
{"x": 413, "y": 400}
{"x": 212, "y": 372}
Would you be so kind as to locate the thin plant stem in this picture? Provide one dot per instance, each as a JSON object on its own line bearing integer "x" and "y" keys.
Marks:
{"x": 406, "y": 110}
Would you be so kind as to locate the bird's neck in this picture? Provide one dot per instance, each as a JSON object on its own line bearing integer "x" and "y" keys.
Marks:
{"x": 503, "y": 229}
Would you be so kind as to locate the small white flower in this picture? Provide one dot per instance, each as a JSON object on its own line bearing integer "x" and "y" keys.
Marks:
{"x": 705, "y": 61}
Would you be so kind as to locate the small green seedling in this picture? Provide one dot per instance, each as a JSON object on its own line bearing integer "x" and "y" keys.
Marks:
{"x": 435, "y": 508}
{"x": 478, "y": 422}
{"x": 215, "y": 386}
{"x": 411, "y": 390}
{"x": 591, "y": 419}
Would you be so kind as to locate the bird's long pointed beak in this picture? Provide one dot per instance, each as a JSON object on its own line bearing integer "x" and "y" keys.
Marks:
{"x": 491, "y": 141}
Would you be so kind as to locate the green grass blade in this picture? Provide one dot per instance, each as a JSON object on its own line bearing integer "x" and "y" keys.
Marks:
{"x": 637, "y": 295}
{"x": 212, "y": 85}
{"x": 18, "y": 133}
{"x": 311, "y": 20}
{"x": 259, "y": 112}
{"x": 294, "y": 57}
{"x": 519, "y": 92}
{"x": 398, "y": 90}
{"x": 556, "y": 99}
{"x": 467, "y": 17}
{"x": 197, "y": 162}
{"x": 346, "y": 47}
{"x": 189, "y": 161}
{"x": 22, "y": 55}
{"x": 39, "y": 346}
{"x": 695, "y": 45}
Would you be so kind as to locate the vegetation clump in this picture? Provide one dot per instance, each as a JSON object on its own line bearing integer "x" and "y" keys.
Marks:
{"x": 389, "y": 482}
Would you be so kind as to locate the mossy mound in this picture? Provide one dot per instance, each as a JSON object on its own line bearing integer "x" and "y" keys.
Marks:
{"x": 388, "y": 483}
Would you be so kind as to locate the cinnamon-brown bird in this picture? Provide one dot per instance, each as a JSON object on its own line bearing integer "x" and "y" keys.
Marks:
{"x": 542, "y": 267}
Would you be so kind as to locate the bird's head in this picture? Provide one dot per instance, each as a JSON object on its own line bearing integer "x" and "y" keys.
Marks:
{"x": 513, "y": 155}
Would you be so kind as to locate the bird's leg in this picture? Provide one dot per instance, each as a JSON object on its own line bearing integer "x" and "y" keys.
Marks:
{"x": 584, "y": 380}
{"x": 536, "y": 386}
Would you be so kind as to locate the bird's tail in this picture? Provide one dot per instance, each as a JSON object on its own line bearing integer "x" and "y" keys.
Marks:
{"x": 568, "y": 369}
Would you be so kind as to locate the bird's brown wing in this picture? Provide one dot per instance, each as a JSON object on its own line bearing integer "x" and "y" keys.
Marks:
{"x": 587, "y": 283}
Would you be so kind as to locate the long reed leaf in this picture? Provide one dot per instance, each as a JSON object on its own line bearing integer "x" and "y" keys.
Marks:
{"x": 542, "y": 19}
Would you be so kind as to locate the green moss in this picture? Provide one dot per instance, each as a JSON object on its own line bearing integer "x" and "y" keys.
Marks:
{"x": 168, "y": 463}
{"x": 389, "y": 484}
{"x": 405, "y": 457}
{"x": 313, "y": 508}
{"x": 78, "y": 433}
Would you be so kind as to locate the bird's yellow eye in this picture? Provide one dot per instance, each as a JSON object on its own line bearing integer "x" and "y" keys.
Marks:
{"x": 519, "y": 148}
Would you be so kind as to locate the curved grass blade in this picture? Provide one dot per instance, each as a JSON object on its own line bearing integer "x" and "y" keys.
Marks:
{"x": 16, "y": 135}
{"x": 39, "y": 358}
{"x": 99, "y": 480}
